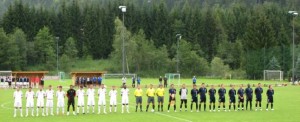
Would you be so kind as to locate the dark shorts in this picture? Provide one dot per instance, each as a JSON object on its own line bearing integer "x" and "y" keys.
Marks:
{"x": 222, "y": 99}
{"x": 241, "y": 100}
{"x": 160, "y": 99}
{"x": 232, "y": 100}
{"x": 183, "y": 101}
{"x": 99, "y": 82}
{"x": 195, "y": 99}
{"x": 212, "y": 100}
{"x": 138, "y": 100}
{"x": 202, "y": 99}
{"x": 258, "y": 99}
{"x": 270, "y": 100}
{"x": 150, "y": 100}
{"x": 170, "y": 99}
{"x": 249, "y": 98}
{"x": 71, "y": 101}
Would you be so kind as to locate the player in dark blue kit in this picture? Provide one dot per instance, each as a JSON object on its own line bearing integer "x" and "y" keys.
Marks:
{"x": 202, "y": 92}
{"x": 240, "y": 93}
{"x": 212, "y": 91}
{"x": 194, "y": 94}
{"x": 270, "y": 94}
{"x": 258, "y": 91}
{"x": 172, "y": 93}
{"x": 99, "y": 79}
{"x": 249, "y": 95}
{"x": 222, "y": 92}
{"x": 232, "y": 93}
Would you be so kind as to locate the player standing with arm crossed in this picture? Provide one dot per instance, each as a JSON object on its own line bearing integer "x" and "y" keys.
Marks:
{"x": 80, "y": 99}
{"x": 49, "y": 102}
{"x": 183, "y": 92}
{"x": 232, "y": 93}
{"x": 18, "y": 101}
{"x": 270, "y": 94}
{"x": 71, "y": 93}
{"x": 138, "y": 93}
{"x": 60, "y": 94}
{"x": 194, "y": 94}
{"x": 29, "y": 101}
{"x": 172, "y": 100}
{"x": 212, "y": 92}
{"x": 249, "y": 95}
{"x": 222, "y": 92}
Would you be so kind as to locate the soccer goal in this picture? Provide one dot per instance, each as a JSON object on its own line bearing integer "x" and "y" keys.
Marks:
{"x": 61, "y": 76}
{"x": 173, "y": 78}
{"x": 275, "y": 75}
{"x": 118, "y": 76}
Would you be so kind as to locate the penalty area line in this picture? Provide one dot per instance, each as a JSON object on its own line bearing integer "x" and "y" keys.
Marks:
{"x": 172, "y": 117}
{"x": 3, "y": 105}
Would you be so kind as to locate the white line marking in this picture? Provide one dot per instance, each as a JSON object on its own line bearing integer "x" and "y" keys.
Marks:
{"x": 3, "y": 105}
{"x": 173, "y": 117}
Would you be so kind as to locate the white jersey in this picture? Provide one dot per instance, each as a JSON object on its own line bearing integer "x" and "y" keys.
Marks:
{"x": 124, "y": 93}
{"x": 123, "y": 80}
{"x": 183, "y": 94}
{"x": 90, "y": 93}
{"x": 29, "y": 95}
{"x": 40, "y": 95}
{"x": 80, "y": 94}
{"x": 49, "y": 94}
{"x": 18, "y": 96}
{"x": 101, "y": 94}
{"x": 113, "y": 97}
{"x": 60, "y": 95}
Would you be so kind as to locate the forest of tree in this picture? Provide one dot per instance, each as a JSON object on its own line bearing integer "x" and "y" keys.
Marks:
{"x": 240, "y": 38}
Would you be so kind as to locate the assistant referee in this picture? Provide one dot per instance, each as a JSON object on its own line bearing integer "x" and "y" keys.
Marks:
{"x": 138, "y": 93}
{"x": 150, "y": 94}
{"x": 160, "y": 92}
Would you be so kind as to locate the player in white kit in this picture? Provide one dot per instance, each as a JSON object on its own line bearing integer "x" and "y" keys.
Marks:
{"x": 113, "y": 98}
{"x": 40, "y": 95}
{"x": 49, "y": 102}
{"x": 29, "y": 101}
{"x": 60, "y": 94}
{"x": 91, "y": 98}
{"x": 80, "y": 98}
{"x": 18, "y": 101}
{"x": 102, "y": 101}
{"x": 125, "y": 100}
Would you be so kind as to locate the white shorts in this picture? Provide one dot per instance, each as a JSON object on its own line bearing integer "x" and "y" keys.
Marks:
{"x": 18, "y": 104}
{"x": 80, "y": 102}
{"x": 125, "y": 100}
{"x": 91, "y": 102}
{"x": 30, "y": 104}
{"x": 113, "y": 101}
{"x": 49, "y": 103}
{"x": 40, "y": 103}
{"x": 60, "y": 103}
{"x": 101, "y": 101}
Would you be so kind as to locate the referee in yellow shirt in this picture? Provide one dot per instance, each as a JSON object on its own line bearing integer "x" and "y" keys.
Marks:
{"x": 160, "y": 92}
{"x": 150, "y": 94}
{"x": 138, "y": 93}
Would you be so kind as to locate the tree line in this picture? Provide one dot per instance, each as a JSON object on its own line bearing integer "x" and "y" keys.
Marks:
{"x": 219, "y": 38}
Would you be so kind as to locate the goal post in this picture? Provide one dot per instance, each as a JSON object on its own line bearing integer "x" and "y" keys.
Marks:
{"x": 275, "y": 75}
{"x": 118, "y": 76}
{"x": 173, "y": 78}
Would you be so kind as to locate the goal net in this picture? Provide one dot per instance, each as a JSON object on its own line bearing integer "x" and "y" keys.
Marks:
{"x": 275, "y": 75}
{"x": 61, "y": 76}
{"x": 173, "y": 78}
{"x": 118, "y": 76}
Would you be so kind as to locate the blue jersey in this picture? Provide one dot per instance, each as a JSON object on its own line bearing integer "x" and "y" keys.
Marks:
{"x": 202, "y": 91}
{"x": 270, "y": 93}
{"x": 222, "y": 92}
{"x": 232, "y": 93}
{"x": 241, "y": 92}
{"x": 194, "y": 80}
{"x": 138, "y": 80}
{"x": 258, "y": 91}
{"x": 99, "y": 79}
{"x": 194, "y": 93}
{"x": 249, "y": 92}
{"x": 94, "y": 79}
{"x": 172, "y": 91}
{"x": 212, "y": 93}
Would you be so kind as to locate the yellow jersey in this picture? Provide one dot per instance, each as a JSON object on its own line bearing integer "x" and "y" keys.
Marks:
{"x": 160, "y": 92}
{"x": 138, "y": 92}
{"x": 150, "y": 92}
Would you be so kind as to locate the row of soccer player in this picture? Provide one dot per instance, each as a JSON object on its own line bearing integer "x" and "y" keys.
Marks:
{"x": 138, "y": 93}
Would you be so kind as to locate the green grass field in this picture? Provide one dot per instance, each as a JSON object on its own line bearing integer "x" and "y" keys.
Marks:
{"x": 286, "y": 107}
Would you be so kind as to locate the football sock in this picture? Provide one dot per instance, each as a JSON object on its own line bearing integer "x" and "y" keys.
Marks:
{"x": 162, "y": 107}
{"x": 169, "y": 107}
{"x": 192, "y": 106}
{"x": 82, "y": 109}
{"x": 99, "y": 107}
{"x": 204, "y": 106}
{"x": 32, "y": 111}
{"x": 256, "y": 105}
{"x": 115, "y": 108}
{"x": 46, "y": 110}
{"x": 26, "y": 111}
{"x": 218, "y": 107}
{"x": 51, "y": 110}
{"x": 229, "y": 106}
{"x": 196, "y": 106}
{"x": 209, "y": 106}
{"x": 147, "y": 107}
{"x": 43, "y": 110}
{"x": 185, "y": 105}
{"x": 214, "y": 107}
{"x": 243, "y": 106}
{"x": 140, "y": 107}
{"x": 200, "y": 106}
{"x": 260, "y": 104}
{"x": 224, "y": 107}
{"x": 234, "y": 107}
{"x": 127, "y": 107}
{"x": 122, "y": 108}
{"x": 15, "y": 112}
{"x": 21, "y": 113}
{"x": 88, "y": 109}
{"x": 77, "y": 109}
{"x": 37, "y": 110}
{"x": 104, "y": 109}
{"x": 271, "y": 105}
{"x": 63, "y": 110}
{"x": 136, "y": 107}
{"x": 153, "y": 106}
{"x": 57, "y": 110}
{"x": 238, "y": 106}
{"x": 267, "y": 105}
{"x": 93, "y": 109}
{"x": 158, "y": 107}
{"x": 174, "y": 107}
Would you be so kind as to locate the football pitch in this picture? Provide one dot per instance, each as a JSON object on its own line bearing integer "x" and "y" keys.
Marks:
{"x": 286, "y": 107}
